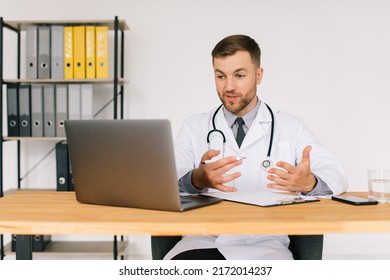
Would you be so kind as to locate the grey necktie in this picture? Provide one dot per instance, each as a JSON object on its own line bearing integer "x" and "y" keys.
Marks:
{"x": 240, "y": 131}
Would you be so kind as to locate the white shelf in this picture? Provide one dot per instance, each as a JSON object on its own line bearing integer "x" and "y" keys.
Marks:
{"x": 62, "y": 81}
{"x": 22, "y": 24}
{"x": 30, "y": 138}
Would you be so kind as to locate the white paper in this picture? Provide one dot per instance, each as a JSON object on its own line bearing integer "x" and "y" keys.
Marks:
{"x": 261, "y": 198}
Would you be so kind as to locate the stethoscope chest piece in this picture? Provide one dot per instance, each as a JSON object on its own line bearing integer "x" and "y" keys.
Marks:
{"x": 266, "y": 164}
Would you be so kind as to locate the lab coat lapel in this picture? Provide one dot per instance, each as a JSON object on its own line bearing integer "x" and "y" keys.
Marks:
{"x": 258, "y": 129}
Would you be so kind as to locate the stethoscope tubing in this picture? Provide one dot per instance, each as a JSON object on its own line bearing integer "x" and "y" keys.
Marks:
{"x": 267, "y": 162}
{"x": 271, "y": 138}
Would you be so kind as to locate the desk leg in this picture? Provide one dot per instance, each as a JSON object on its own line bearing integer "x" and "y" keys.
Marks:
{"x": 23, "y": 247}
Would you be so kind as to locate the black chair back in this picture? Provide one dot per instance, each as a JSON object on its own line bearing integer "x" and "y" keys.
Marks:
{"x": 303, "y": 247}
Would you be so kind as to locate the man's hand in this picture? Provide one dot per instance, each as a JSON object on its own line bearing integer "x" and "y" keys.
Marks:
{"x": 212, "y": 175}
{"x": 293, "y": 178}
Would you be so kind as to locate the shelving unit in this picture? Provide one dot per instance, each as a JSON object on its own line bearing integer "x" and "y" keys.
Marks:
{"x": 78, "y": 249}
{"x": 118, "y": 27}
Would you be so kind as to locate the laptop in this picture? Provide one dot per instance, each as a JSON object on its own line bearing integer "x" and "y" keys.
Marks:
{"x": 128, "y": 163}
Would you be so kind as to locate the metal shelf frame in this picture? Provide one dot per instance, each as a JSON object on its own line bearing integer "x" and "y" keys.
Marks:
{"x": 118, "y": 27}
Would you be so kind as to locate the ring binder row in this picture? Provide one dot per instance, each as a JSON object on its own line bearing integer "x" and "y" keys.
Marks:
{"x": 39, "y": 242}
{"x": 66, "y": 52}
{"x": 41, "y": 110}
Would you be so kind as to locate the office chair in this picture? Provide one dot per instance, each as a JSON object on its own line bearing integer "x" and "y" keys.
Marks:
{"x": 303, "y": 247}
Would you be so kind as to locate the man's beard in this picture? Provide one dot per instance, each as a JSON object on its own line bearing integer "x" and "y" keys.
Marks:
{"x": 235, "y": 108}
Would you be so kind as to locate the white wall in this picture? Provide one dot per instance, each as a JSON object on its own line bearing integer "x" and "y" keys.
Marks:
{"x": 325, "y": 61}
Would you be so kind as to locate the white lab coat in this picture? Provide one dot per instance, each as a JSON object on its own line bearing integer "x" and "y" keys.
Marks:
{"x": 290, "y": 138}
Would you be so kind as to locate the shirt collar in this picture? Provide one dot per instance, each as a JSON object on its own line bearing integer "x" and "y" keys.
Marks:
{"x": 248, "y": 117}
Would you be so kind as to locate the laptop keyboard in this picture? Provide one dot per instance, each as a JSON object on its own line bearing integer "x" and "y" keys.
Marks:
{"x": 186, "y": 200}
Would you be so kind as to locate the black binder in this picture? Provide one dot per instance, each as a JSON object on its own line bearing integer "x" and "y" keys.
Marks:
{"x": 24, "y": 110}
{"x": 70, "y": 178}
{"x": 62, "y": 162}
{"x": 39, "y": 242}
{"x": 13, "y": 110}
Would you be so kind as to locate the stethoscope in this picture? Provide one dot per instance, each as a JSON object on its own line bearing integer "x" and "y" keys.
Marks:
{"x": 266, "y": 163}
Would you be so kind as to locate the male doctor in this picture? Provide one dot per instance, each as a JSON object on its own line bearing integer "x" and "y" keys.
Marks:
{"x": 300, "y": 164}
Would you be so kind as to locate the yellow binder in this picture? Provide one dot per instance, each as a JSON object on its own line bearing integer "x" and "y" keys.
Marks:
{"x": 79, "y": 52}
{"x": 90, "y": 52}
{"x": 101, "y": 52}
{"x": 68, "y": 52}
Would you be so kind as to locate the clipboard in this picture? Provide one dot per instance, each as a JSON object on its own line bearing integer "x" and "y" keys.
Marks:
{"x": 262, "y": 198}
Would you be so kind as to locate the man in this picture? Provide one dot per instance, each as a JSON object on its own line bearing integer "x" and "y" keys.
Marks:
{"x": 243, "y": 127}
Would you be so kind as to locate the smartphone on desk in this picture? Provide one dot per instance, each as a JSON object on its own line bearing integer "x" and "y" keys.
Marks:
{"x": 354, "y": 200}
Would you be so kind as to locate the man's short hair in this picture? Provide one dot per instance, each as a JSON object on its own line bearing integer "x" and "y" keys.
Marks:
{"x": 231, "y": 44}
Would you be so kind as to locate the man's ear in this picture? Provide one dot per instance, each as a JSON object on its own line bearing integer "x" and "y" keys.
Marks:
{"x": 259, "y": 75}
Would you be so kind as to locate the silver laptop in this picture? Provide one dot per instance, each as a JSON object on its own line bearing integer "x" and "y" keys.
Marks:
{"x": 127, "y": 163}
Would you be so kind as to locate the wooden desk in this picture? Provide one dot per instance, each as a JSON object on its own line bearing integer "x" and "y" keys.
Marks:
{"x": 56, "y": 213}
